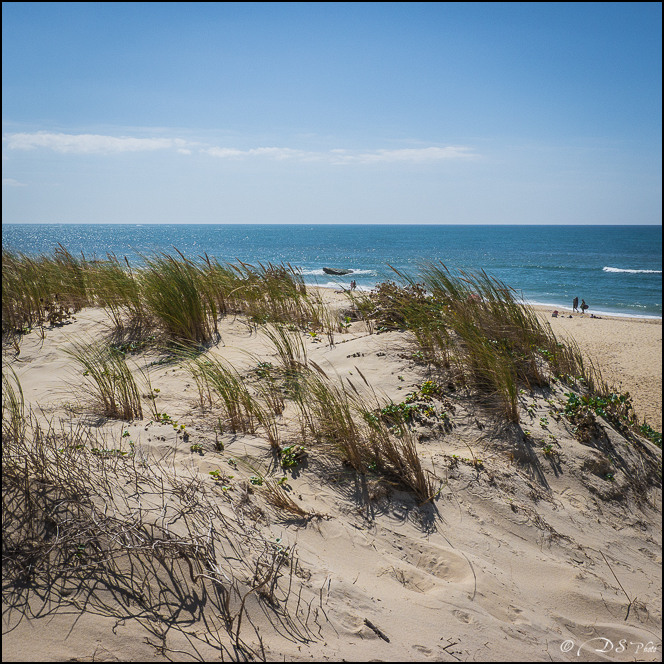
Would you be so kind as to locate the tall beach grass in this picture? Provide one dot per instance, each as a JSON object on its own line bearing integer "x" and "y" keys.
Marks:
{"x": 108, "y": 380}
{"x": 474, "y": 326}
{"x": 181, "y": 297}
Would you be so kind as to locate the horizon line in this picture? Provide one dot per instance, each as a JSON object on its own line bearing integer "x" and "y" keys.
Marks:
{"x": 298, "y": 223}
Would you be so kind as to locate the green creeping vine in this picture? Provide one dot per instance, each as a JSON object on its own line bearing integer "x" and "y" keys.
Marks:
{"x": 616, "y": 408}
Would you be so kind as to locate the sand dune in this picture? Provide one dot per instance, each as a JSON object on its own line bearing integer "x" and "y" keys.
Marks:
{"x": 524, "y": 553}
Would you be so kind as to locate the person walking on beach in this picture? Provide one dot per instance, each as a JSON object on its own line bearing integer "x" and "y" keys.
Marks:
{"x": 575, "y": 304}
{"x": 584, "y": 306}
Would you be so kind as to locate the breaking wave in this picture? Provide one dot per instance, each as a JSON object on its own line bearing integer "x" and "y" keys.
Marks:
{"x": 335, "y": 285}
{"x": 617, "y": 269}
{"x": 320, "y": 272}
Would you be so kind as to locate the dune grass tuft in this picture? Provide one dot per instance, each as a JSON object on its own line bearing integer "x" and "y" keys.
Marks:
{"x": 176, "y": 294}
{"x": 476, "y": 327}
{"x": 113, "y": 287}
{"x": 108, "y": 379}
{"x": 13, "y": 407}
{"x": 219, "y": 383}
{"x": 40, "y": 290}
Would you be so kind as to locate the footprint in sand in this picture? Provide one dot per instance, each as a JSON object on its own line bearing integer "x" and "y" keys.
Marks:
{"x": 423, "y": 649}
{"x": 440, "y": 562}
{"x": 410, "y": 578}
{"x": 515, "y": 615}
{"x": 651, "y": 555}
{"x": 463, "y": 617}
{"x": 510, "y": 614}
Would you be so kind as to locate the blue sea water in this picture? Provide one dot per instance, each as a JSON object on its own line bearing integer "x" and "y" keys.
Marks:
{"x": 616, "y": 269}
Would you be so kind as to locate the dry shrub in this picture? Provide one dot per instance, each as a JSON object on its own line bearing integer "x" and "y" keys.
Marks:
{"x": 96, "y": 527}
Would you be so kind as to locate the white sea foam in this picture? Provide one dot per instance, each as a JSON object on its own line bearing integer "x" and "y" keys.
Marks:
{"x": 336, "y": 286}
{"x": 617, "y": 269}
{"x": 320, "y": 273}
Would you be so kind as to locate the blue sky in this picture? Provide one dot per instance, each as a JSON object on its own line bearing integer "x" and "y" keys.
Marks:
{"x": 444, "y": 113}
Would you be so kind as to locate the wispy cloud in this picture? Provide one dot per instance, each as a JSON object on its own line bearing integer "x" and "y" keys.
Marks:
{"x": 105, "y": 145}
{"x": 89, "y": 143}
{"x": 341, "y": 156}
{"x": 279, "y": 154}
{"x": 10, "y": 182}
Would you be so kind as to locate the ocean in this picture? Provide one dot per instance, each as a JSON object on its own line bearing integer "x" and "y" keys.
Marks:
{"x": 617, "y": 270}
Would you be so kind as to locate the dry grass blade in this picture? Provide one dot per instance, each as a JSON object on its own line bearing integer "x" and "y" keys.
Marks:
{"x": 13, "y": 408}
{"x": 289, "y": 346}
{"x": 77, "y": 523}
{"x": 277, "y": 496}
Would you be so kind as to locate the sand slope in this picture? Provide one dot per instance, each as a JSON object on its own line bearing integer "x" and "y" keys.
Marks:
{"x": 521, "y": 556}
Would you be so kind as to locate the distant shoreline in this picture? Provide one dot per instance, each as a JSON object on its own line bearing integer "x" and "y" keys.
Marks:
{"x": 538, "y": 306}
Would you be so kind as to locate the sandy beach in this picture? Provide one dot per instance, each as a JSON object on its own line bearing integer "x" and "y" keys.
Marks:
{"x": 628, "y": 352}
{"x": 535, "y": 545}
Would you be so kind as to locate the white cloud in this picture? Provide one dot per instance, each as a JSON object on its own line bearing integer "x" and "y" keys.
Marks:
{"x": 10, "y": 182}
{"x": 279, "y": 154}
{"x": 89, "y": 143}
{"x": 105, "y": 145}
{"x": 341, "y": 156}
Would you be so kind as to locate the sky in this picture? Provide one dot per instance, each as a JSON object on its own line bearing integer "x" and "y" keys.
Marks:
{"x": 374, "y": 113}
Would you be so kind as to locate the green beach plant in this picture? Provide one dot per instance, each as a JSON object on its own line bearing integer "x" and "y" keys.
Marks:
{"x": 39, "y": 290}
{"x": 115, "y": 288}
{"x": 292, "y": 455}
{"x": 108, "y": 379}
{"x": 13, "y": 407}
{"x": 217, "y": 380}
{"x": 180, "y": 299}
{"x": 476, "y": 327}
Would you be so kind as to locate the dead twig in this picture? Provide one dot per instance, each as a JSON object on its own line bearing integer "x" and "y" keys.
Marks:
{"x": 373, "y": 627}
{"x": 631, "y": 601}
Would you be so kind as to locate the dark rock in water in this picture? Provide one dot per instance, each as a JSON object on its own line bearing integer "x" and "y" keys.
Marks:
{"x": 335, "y": 272}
